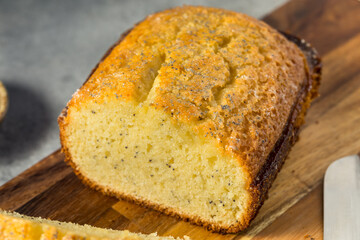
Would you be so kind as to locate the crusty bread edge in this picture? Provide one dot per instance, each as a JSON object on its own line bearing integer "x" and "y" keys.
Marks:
{"x": 263, "y": 181}
{"x": 267, "y": 174}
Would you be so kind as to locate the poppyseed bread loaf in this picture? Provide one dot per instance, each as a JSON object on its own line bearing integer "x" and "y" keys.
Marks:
{"x": 14, "y": 226}
{"x": 192, "y": 113}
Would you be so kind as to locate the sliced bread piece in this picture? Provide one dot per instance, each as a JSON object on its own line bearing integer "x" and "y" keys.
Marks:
{"x": 14, "y": 226}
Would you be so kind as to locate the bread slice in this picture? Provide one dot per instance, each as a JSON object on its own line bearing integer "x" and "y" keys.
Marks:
{"x": 14, "y": 226}
{"x": 192, "y": 113}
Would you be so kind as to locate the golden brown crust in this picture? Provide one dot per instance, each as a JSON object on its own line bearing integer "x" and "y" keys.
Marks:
{"x": 265, "y": 177}
{"x": 262, "y": 159}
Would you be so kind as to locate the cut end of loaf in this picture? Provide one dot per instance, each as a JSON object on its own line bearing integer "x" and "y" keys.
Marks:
{"x": 139, "y": 153}
{"x": 20, "y": 227}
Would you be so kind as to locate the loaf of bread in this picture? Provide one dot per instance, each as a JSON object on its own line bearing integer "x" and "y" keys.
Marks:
{"x": 192, "y": 113}
{"x": 14, "y": 226}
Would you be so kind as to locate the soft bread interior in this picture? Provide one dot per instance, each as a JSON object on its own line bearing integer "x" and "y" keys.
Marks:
{"x": 17, "y": 226}
{"x": 139, "y": 152}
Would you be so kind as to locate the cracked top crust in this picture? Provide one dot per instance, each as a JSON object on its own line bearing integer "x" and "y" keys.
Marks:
{"x": 228, "y": 76}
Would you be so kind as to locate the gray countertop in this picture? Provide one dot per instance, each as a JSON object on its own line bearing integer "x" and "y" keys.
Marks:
{"x": 48, "y": 48}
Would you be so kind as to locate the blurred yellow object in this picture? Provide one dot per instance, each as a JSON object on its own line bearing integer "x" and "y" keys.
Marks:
{"x": 3, "y": 101}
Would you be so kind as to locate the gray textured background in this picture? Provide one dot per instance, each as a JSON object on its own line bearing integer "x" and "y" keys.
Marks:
{"x": 48, "y": 48}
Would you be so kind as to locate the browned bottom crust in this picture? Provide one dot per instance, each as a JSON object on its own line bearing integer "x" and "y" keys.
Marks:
{"x": 264, "y": 179}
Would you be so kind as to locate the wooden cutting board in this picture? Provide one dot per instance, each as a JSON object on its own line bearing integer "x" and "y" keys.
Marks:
{"x": 294, "y": 208}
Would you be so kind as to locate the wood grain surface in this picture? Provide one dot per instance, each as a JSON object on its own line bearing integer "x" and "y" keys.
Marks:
{"x": 294, "y": 207}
